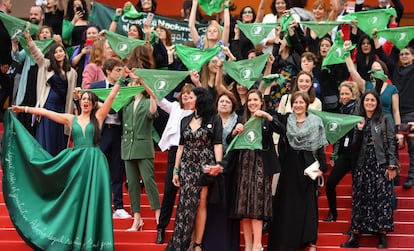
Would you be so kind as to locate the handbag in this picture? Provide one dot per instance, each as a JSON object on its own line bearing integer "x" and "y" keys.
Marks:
{"x": 312, "y": 170}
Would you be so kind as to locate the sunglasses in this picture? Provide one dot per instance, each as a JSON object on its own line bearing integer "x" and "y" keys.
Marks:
{"x": 247, "y": 12}
{"x": 214, "y": 61}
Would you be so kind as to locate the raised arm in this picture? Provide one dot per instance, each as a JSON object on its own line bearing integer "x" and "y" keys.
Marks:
{"x": 103, "y": 111}
{"x": 61, "y": 5}
{"x": 192, "y": 21}
{"x": 226, "y": 29}
{"x": 260, "y": 11}
{"x": 352, "y": 70}
{"x": 36, "y": 52}
{"x": 61, "y": 118}
{"x": 115, "y": 19}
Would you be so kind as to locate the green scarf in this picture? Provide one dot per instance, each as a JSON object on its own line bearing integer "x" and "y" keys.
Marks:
{"x": 309, "y": 137}
{"x": 378, "y": 74}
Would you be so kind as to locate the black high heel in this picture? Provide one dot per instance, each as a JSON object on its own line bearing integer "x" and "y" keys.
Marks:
{"x": 382, "y": 241}
{"x": 195, "y": 244}
{"x": 352, "y": 241}
{"x": 331, "y": 217}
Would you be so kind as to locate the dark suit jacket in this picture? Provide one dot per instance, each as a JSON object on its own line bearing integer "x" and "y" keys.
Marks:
{"x": 5, "y": 48}
{"x": 100, "y": 84}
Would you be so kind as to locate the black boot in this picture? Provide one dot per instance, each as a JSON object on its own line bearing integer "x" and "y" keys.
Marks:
{"x": 382, "y": 241}
{"x": 352, "y": 242}
{"x": 160, "y": 235}
{"x": 331, "y": 217}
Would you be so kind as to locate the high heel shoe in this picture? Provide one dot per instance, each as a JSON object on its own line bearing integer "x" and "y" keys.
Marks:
{"x": 331, "y": 217}
{"x": 195, "y": 245}
{"x": 139, "y": 227}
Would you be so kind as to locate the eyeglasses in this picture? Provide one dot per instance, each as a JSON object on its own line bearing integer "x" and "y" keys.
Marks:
{"x": 247, "y": 12}
{"x": 405, "y": 54}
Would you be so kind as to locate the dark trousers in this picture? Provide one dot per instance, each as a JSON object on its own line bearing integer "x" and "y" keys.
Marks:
{"x": 6, "y": 89}
{"x": 111, "y": 146}
{"x": 170, "y": 191}
{"x": 342, "y": 166}
{"x": 409, "y": 117}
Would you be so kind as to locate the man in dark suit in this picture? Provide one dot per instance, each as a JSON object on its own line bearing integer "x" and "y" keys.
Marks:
{"x": 5, "y": 56}
{"x": 111, "y": 138}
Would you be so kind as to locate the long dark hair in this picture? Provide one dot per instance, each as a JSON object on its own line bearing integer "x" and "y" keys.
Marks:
{"x": 380, "y": 82}
{"x": 69, "y": 10}
{"x": 204, "y": 104}
{"x": 273, "y": 7}
{"x": 377, "y": 116}
{"x": 364, "y": 61}
{"x": 242, "y": 10}
{"x": 54, "y": 65}
{"x": 94, "y": 99}
{"x": 138, "y": 6}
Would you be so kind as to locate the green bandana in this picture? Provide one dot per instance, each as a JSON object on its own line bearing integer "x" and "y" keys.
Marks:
{"x": 336, "y": 55}
{"x": 125, "y": 94}
{"x": 250, "y": 138}
{"x": 14, "y": 24}
{"x": 370, "y": 19}
{"x": 400, "y": 36}
{"x": 131, "y": 12}
{"x": 378, "y": 74}
{"x": 256, "y": 32}
{"x": 210, "y": 6}
{"x": 268, "y": 79}
{"x": 122, "y": 45}
{"x": 195, "y": 58}
{"x": 336, "y": 124}
{"x": 246, "y": 71}
{"x": 322, "y": 28}
{"x": 161, "y": 82}
{"x": 43, "y": 45}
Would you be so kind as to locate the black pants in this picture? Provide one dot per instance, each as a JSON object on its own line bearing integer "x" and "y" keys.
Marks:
{"x": 342, "y": 166}
{"x": 170, "y": 191}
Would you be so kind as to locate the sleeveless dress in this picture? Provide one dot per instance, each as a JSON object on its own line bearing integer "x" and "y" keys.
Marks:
{"x": 57, "y": 203}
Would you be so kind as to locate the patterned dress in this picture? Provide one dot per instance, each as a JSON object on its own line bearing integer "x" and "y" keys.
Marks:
{"x": 371, "y": 198}
{"x": 198, "y": 152}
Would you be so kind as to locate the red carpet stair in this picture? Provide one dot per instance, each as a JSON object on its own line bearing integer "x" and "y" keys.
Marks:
{"x": 330, "y": 233}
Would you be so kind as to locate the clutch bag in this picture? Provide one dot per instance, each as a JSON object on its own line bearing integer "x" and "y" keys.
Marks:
{"x": 312, "y": 170}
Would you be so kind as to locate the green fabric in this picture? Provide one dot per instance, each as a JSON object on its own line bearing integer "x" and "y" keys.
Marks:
{"x": 131, "y": 12}
{"x": 211, "y": 6}
{"x": 370, "y": 19}
{"x": 322, "y": 28}
{"x": 67, "y": 29}
{"x": 246, "y": 72}
{"x": 14, "y": 24}
{"x": 43, "y": 45}
{"x": 336, "y": 55}
{"x": 256, "y": 32}
{"x": 57, "y": 203}
{"x": 161, "y": 82}
{"x": 125, "y": 95}
{"x": 400, "y": 36}
{"x": 268, "y": 79}
{"x": 336, "y": 124}
{"x": 195, "y": 58}
{"x": 378, "y": 74}
{"x": 250, "y": 138}
{"x": 122, "y": 45}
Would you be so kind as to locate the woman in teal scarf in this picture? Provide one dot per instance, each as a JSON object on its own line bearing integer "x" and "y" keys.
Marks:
{"x": 63, "y": 202}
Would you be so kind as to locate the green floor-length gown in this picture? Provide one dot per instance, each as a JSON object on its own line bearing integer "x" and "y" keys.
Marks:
{"x": 57, "y": 203}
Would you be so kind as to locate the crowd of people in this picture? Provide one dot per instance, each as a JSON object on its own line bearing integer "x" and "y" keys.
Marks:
{"x": 222, "y": 189}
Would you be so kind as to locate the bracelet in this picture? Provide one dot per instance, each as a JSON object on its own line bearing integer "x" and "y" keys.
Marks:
{"x": 116, "y": 18}
{"x": 26, "y": 109}
{"x": 176, "y": 171}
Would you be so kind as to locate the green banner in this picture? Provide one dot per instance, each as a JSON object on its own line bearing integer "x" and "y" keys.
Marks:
{"x": 250, "y": 138}
{"x": 246, "y": 72}
{"x": 125, "y": 94}
{"x": 370, "y": 19}
{"x": 43, "y": 45}
{"x": 14, "y": 24}
{"x": 322, "y": 28}
{"x": 102, "y": 15}
{"x": 211, "y": 6}
{"x": 161, "y": 82}
{"x": 256, "y": 32}
{"x": 195, "y": 58}
{"x": 336, "y": 124}
{"x": 336, "y": 55}
{"x": 400, "y": 36}
{"x": 122, "y": 45}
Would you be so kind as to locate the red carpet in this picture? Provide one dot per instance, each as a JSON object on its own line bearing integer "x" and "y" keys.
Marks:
{"x": 330, "y": 233}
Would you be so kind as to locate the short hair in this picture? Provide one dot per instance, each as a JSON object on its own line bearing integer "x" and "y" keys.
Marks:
{"x": 309, "y": 56}
{"x": 232, "y": 98}
{"x": 186, "y": 88}
{"x": 318, "y": 3}
{"x": 304, "y": 95}
{"x": 110, "y": 64}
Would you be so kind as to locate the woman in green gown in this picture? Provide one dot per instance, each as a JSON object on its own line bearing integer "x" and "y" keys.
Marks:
{"x": 63, "y": 202}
